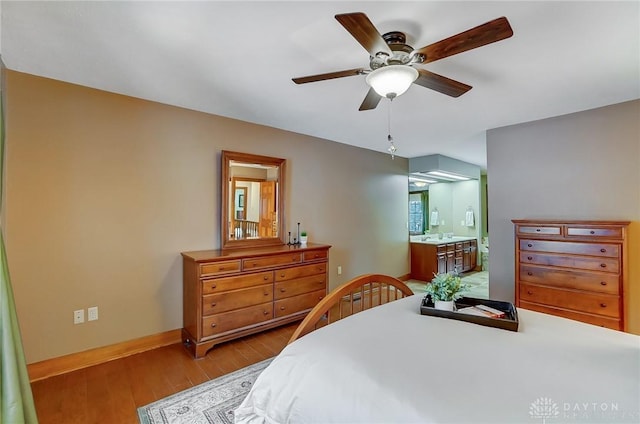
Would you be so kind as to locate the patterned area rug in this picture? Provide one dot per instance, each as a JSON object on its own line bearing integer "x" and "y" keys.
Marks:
{"x": 210, "y": 402}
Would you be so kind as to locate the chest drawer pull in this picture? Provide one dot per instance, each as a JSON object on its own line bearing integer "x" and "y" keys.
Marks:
{"x": 282, "y": 289}
{"x": 529, "y": 292}
{"x": 282, "y": 308}
{"x": 213, "y": 286}
{"x": 603, "y": 283}
{"x": 529, "y": 273}
{"x": 266, "y": 293}
{"x": 529, "y": 257}
{"x": 603, "y": 265}
{"x": 213, "y": 304}
{"x": 538, "y": 230}
{"x": 604, "y": 305}
{"x": 603, "y": 250}
{"x": 213, "y": 324}
{"x": 265, "y": 278}
{"x": 592, "y": 232}
{"x": 265, "y": 312}
{"x": 529, "y": 245}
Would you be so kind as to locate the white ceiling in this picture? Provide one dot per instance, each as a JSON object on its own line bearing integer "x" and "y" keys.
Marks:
{"x": 236, "y": 59}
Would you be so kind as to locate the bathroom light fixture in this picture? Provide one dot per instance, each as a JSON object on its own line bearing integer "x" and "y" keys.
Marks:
{"x": 392, "y": 80}
{"x": 421, "y": 182}
{"x": 448, "y": 175}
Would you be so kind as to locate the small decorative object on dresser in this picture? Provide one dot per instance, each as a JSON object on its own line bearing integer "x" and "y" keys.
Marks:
{"x": 303, "y": 238}
{"x": 573, "y": 269}
{"x": 233, "y": 293}
{"x": 444, "y": 289}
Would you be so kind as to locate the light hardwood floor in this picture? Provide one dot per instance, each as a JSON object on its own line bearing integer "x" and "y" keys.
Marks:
{"x": 112, "y": 392}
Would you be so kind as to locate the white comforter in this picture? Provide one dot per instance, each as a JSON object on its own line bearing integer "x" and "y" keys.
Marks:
{"x": 392, "y": 365}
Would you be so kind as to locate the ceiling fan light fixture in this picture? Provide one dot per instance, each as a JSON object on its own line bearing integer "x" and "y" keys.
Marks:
{"x": 392, "y": 80}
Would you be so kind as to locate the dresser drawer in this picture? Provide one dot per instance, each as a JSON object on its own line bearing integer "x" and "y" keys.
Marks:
{"x": 314, "y": 255}
{"x": 271, "y": 261}
{"x": 554, "y": 230}
{"x": 236, "y": 299}
{"x": 218, "y": 285}
{"x": 594, "y": 231}
{"x": 291, "y": 305}
{"x": 300, "y": 271}
{"x": 599, "y": 320}
{"x": 222, "y": 267}
{"x": 589, "y": 281}
{"x": 299, "y": 286}
{"x": 599, "y": 304}
{"x": 591, "y": 249}
{"x": 577, "y": 262}
{"x": 233, "y": 320}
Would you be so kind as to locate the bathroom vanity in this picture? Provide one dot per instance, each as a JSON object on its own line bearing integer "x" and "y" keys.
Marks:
{"x": 431, "y": 255}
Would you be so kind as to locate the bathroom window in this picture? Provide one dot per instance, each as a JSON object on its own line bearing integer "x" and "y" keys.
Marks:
{"x": 417, "y": 215}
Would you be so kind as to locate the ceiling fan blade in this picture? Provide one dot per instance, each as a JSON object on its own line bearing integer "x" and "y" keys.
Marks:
{"x": 330, "y": 75}
{"x": 371, "y": 100}
{"x": 361, "y": 28}
{"x": 484, "y": 34}
{"x": 441, "y": 84}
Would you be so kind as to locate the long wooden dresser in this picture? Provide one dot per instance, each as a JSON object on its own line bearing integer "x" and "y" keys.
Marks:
{"x": 233, "y": 293}
{"x": 573, "y": 269}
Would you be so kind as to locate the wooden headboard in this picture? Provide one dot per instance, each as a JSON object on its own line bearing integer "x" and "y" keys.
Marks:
{"x": 363, "y": 292}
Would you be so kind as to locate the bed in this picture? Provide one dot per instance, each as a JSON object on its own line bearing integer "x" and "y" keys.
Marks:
{"x": 390, "y": 364}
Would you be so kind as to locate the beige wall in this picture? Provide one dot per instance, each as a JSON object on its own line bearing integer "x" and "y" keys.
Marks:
{"x": 580, "y": 166}
{"x": 104, "y": 192}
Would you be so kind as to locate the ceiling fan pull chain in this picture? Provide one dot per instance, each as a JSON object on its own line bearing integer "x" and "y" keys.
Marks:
{"x": 392, "y": 148}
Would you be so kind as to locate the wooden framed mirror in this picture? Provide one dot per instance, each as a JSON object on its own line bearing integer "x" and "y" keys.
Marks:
{"x": 253, "y": 190}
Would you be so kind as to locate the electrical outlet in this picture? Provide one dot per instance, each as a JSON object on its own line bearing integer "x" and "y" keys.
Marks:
{"x": 92, "y": 313}
{"x": 78, "y": 316}
{"x": 339, "y": 270}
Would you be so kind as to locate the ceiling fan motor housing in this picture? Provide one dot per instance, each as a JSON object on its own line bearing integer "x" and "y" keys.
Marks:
{"x": 401, "y": 52}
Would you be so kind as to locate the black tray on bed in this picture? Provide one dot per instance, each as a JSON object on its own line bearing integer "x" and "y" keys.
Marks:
{"x": 509, "y": 322}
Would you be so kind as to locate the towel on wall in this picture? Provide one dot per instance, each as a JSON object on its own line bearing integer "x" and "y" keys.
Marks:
{"x": 469, "y": 219}
{"x": 435, "y": 218}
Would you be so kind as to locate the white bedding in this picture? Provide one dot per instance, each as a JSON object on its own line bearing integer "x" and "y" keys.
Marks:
{"x": 390, "y": 364}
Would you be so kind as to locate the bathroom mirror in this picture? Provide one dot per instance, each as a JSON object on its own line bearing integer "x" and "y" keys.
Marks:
{"x": 253, "y": 190}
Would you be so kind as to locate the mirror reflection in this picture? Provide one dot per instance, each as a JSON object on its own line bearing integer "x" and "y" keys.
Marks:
{"x": 252, "y": 194}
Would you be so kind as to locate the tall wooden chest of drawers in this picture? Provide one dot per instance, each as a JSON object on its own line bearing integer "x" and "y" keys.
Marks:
{"x": 573, "y": 269}
{"x": 233, "y": 293}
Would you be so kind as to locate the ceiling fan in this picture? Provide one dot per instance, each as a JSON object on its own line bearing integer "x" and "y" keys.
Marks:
{"x": 389, "y": 54}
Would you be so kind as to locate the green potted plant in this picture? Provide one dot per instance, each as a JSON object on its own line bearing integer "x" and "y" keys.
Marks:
{"x": 445, "y": 288}
{"x": 303, "y": 237}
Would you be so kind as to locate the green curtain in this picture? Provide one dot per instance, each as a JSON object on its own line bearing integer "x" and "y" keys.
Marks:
{"x": 17, "y": 399}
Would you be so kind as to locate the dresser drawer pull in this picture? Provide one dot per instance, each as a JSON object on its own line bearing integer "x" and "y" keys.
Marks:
{"x": 604, "y": 305}
{"x": 529, "y": 245}
{"x": 265, "y": 278}
{"x": 213, "y": 286}
{"x": 266, "y": 293}
{"x": 266, "y": 312}
{"x": 282, "y": 308}
{"x": 592, "y": 232}
{"x": 603, "y": 265}
{"x": 530, "y": 258}
{"x": 529, "y": 273}
{"x": 213, "y": 324}
{"x": 529, "y": 292}
{"x": 603, "y": 283}
{"x": 538, "y": 230}
{"x": 603, "y": 250}
{"x": 222, "y": 268}
{"x": 282, "y": 290}
{"x": 213, "y": 304}
{"x": 294, "y": 259}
